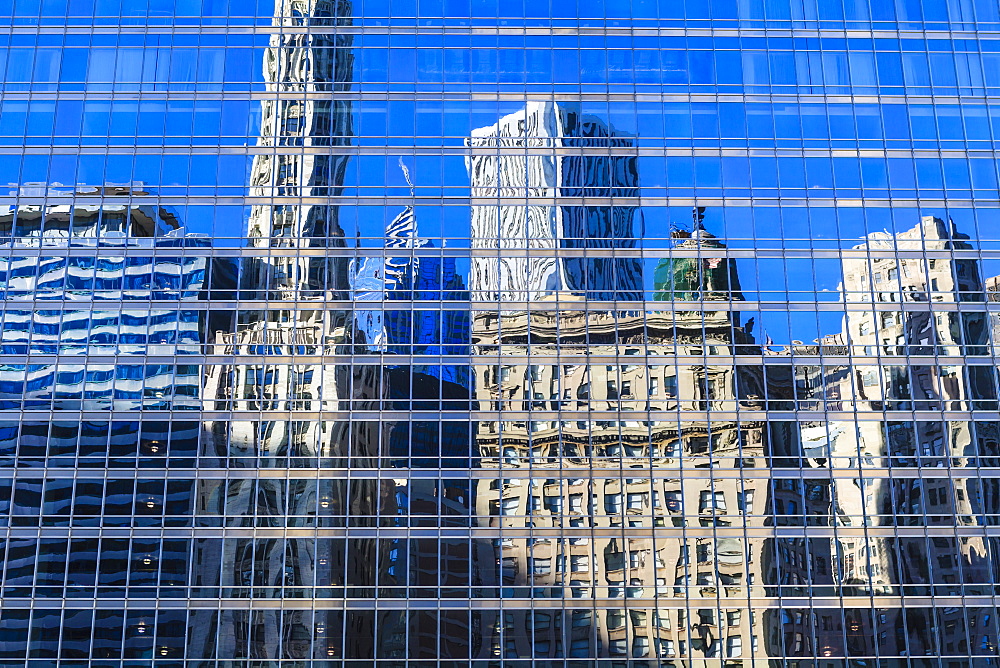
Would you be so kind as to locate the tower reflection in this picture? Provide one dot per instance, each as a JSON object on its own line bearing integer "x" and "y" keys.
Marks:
{"x": 616, "y": 456}
{"x": 279, "y": 396}
{"x": 892, "y": 477}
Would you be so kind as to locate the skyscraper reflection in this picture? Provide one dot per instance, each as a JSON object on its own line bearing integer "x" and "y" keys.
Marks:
{"x": 273, "y": 405}
{"x": 520, "y": 168}
{"x": 97, "y": 285}
{"x": 633, "y": 525}
{"x": 909, "y": 515}
{"x": 517, "y": 416}
{"x": 42, "y": 268}
{"x": 420, "y": 342}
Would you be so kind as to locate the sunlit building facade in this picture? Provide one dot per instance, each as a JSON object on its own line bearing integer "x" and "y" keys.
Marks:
{"x": 349, "y": 333}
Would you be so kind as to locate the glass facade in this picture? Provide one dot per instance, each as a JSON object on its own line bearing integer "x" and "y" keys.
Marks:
{"x": 469, "y": 333}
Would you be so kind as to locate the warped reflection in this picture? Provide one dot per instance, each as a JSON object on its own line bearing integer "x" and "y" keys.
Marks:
{"x": 538, "y": 449}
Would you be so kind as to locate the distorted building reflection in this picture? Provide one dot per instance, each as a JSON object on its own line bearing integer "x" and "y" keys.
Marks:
{"x": 40, "y": 268}
{"x": 992, "y": 285}
{"x": 617, "y": 459}
{"x": 291, "y": 243}
{"x": 518, "y": 417}
{"x": 415, "y": 340}
{"x": 272, "y": 405}
{"x": 519, "y": 168}
{"x": 908, "y": 508}
{"x": 94, "y": 283}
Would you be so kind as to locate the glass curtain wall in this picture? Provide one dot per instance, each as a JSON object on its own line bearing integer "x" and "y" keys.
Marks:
{"x": 482, "y": 334}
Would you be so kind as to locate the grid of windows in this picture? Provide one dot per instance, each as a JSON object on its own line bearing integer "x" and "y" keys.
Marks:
{"x": 617, "y": 334}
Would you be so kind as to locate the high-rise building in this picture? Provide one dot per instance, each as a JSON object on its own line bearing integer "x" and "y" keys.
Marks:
{"x": 563, "y": 167}
{"x": 108, "y": 267}
{"x": 370, "y": 334}
{"x": 599, "y": 496}
{"x": 900, "y": 377}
